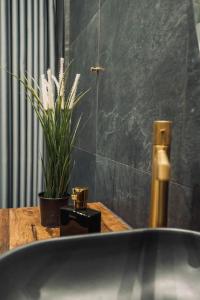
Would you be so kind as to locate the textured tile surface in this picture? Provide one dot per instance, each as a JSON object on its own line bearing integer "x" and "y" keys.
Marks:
{"x": 189, "y": 159}
{"x": 84, "y": 171}
{"x": 184, "y": 207}
{"x": 124, "y": 189}
{"x": 83, "y": 52}
{"x": 179, "y": 206}
{"x": 67, "y": 29}
{"x": 143, "y": 50}
{"x": 150, "y": 52}
{"x": 81, "y": 13}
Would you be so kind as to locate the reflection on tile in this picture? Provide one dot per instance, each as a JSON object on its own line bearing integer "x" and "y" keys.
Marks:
{"x": 179, "y": 206}
{"x": 123, "y": 189}
{"x": 144, "y": 79}
{"x": 189, "y": 161}
{"x": 150, "y": 52}
{"x": 84, "y": 171}
{"x": 81, "y": 12}
{"x": 84, "y": 53}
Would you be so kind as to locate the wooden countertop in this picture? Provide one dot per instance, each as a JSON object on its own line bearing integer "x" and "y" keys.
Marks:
{"x": 20, "y": 226}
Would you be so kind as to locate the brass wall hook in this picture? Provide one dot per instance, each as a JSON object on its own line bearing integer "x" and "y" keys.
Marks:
{"x": 97, "y": 69}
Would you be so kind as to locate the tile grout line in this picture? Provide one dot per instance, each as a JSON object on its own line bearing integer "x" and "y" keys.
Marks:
{"x": 96, "y": 112}
{"x": 97, "y": 95}
{"x": 128, "y": 166}
{"x": 114, "y": 161}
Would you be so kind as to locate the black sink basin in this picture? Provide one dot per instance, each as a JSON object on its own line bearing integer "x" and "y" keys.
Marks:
{"x": 140, "y": 265}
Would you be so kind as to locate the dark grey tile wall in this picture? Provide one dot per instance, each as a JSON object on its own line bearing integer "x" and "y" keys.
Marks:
{"x": 83, "y": 51}
{"x": 81, "y": 13}
{"x": 196, "y": 4}
{"x": 124, "y": 189}
{"x": 150, "y": 52}
{"x": 67, "y": 28}
{"x": 84, "y": 171}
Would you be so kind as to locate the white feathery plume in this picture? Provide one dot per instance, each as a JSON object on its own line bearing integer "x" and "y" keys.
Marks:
{"x": 56, "y": 83}
{"x": 44, "y": 92}
{"x": 61, "y": 82}
{"x": 61, "y": 74}
{"x": 50, "y": 90}
{"x": 72, "y": 96}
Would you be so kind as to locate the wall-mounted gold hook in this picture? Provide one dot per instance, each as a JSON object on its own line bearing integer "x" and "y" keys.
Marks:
{"x": 97, "y": 69}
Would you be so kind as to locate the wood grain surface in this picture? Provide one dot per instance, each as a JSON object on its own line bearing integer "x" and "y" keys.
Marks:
{"x": 4, "y": 230}
{"x": 20, "y": 226}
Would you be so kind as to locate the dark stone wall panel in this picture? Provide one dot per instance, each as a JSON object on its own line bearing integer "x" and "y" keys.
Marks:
{"x": 143, "y": 49}
{"x": 152, "y": 71}
{"x": 184, "y": 207}
{"x": 124, "y": 189}
{"x": 189, "y": 159}
{"x": 84, "y": 171}
{"x": 83, "y": 54}
{"x": 81, "y": 12}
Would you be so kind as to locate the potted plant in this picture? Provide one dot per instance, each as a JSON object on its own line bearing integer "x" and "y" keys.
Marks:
{"x": 54, "y": 109}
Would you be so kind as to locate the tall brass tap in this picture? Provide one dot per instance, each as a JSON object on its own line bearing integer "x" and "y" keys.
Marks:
{"x": 160, "y": 173}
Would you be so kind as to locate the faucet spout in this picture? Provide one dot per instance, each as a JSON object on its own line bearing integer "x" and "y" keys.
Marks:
{"x": 163, "y": 165}
{"x": 160, "y": 174}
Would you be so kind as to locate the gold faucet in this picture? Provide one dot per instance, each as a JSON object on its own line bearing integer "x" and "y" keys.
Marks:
{"x": 160, "y": 173}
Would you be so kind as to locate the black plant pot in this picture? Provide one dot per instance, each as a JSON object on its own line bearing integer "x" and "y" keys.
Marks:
{"x": 50, "y": 209}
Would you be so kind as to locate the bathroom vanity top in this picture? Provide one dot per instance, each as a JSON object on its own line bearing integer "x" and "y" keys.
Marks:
{"x": 20, "y": 226}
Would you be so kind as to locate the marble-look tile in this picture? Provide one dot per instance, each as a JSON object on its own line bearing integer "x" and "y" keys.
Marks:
{"x": 127, "y": 192}
{"x": 143, "y": 50}
{"x": 150, "y": 52}
{"x": 196, "y": 7}
{"x": 123, "y": 189}
{"x": 83, "y": 52}
{"x": 81, "y": 12}
{"x": 189, "y": 159}
{"x": 84, "y": 171}
{"x": 102, "y": 2}
{"x": 66, "y": 28}
{"x": 184, "y": 207}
